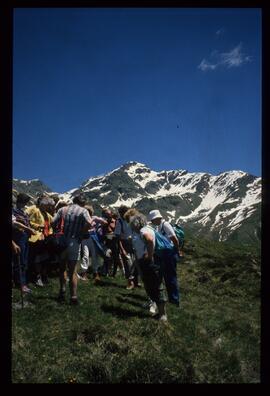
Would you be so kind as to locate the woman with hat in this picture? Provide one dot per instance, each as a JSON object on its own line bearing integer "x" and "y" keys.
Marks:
{"x": 169, "y": 261}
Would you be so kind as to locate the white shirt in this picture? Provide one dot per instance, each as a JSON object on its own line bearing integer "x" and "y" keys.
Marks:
{"x": 166, "y": 229}
{"x": 127, "y": 233}
{"x": 138, "y": 241}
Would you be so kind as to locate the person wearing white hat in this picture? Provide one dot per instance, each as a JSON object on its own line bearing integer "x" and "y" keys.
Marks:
{"x": 143, "y": 241}
{"x": 170, "y": 261}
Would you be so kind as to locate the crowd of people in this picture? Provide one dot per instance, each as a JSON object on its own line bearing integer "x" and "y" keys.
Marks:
{"x": 68, "y": 235}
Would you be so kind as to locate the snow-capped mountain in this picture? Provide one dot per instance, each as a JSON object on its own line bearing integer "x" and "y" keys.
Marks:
{"x": 222, "y": 207}
{"x": 31, "y": 187}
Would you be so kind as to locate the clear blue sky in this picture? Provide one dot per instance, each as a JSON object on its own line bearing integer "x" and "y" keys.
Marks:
{"x": 171, "y": 88}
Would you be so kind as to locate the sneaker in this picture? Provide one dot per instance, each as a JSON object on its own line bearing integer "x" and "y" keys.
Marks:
{"x": 153, "y": 308}
{"x": 163, "y": 318}
{"x": 39, "y": 282}
{"x": 26, "y": 289}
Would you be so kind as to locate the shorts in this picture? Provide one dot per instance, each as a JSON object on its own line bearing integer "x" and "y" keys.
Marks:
{"x": 73, "y": 251}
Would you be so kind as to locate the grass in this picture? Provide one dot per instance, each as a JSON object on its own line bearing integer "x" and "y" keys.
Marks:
{"x": 110, "y": 338}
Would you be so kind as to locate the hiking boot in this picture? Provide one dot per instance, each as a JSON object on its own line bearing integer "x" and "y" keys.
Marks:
{"x": 74, "y": 301}
{"x": 130, "y": 285}
{"x": 97, "y": 279}
{"x": 39, "y": 282}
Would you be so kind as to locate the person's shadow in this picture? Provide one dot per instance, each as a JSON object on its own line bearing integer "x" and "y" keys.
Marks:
{"x": 103, "y": 283}
{"x": 135, "y": 296}
{"x": 122, "y": 313}
{"x": 126, "y": 300}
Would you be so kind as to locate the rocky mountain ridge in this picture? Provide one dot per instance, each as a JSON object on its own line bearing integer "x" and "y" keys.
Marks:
{"x": 222, "y": 207}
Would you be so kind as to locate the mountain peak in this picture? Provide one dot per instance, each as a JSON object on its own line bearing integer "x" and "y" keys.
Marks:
{"x": 130, "y": 164}
{"x": 222, "y": 207}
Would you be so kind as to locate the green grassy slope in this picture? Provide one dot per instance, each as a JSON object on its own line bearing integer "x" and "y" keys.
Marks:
{"x": 110, "y": 338}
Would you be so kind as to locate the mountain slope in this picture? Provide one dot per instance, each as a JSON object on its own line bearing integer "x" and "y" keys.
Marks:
{"x": 222, "y": 207}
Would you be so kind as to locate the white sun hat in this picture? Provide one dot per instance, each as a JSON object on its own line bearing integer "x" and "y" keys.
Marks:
{"x": 154, "y": 214}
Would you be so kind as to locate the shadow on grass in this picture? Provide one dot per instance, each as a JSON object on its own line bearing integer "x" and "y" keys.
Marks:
{"x": 108, "y": 284}
{"x": 122, "y": 312}
{"x": 127, "y": 301}
{"x": 136, "y": 296}
{"x": 51, "y": 298}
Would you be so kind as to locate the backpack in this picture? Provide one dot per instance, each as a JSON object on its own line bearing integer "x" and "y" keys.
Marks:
{"x": 162, "y": 244}
{"x": 180, "y": 234}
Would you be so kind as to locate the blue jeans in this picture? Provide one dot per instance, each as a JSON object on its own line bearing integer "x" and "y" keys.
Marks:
{"x": 168, "y": 264}
{"x": 20, "y": 264}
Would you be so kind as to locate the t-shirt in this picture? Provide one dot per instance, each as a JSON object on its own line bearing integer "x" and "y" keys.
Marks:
{"x": 122, "y": 229}
{"x": 23, "y": 218}
{"x": 138, "y": 242}
{"x": 75, "y": 218}
{"x": 166, "y": 229}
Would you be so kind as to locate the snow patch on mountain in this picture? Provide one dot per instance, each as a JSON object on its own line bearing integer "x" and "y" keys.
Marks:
{"x": 128, "y": 202}
{"x": 26, "y": 181}
{"x": 95, "y": 178}
{"x": 105, "y": 193}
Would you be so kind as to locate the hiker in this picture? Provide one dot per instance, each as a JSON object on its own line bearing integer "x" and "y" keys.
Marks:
{"x": 20, "y": 237}
{"x": 134, "y": 270}
{"x": 40, "y": 220}
{"x": 143, "y": 240}
{"x": 112, "y": 262}
{"x": 54, "y": 199}
{"x": 124, "y": 235}
{"x": 77, "y": 222}
{"x": 169, "y": 260}
{"x": 91, "y": 244}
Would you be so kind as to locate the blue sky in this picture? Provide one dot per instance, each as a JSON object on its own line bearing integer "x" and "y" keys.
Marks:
{"x": 173, "y": 88}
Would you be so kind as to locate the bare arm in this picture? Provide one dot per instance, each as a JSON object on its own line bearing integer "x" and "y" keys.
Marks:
{"x": 21, "y": 226}
{"x": 176, "y": 244}
{"x": 149, "y": 246}
{"x": 100, "y": 220}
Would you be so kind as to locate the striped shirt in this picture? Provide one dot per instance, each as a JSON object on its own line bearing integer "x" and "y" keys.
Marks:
{"x": 75, "y": 219}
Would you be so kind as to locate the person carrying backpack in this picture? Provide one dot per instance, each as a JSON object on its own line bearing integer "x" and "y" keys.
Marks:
{"x": 168, "y": 260}
{"x": 143, "y": 241}
{"x": 124, "y": 235}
